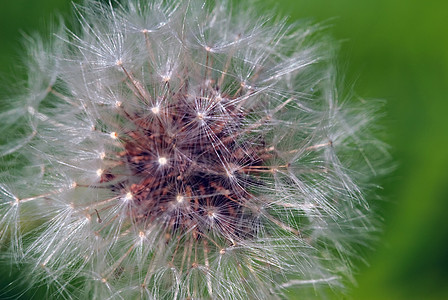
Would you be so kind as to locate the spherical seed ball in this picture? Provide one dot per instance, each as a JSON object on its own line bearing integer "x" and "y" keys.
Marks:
{"x": 185, "y": 151}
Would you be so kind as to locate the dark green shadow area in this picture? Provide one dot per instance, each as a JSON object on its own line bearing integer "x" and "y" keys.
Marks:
{"x": 24, "y": 16}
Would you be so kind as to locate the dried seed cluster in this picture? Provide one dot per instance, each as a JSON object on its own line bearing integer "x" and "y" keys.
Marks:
{"x": 190, "y": 165}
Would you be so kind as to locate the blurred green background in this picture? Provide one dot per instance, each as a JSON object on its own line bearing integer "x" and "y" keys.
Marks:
{"x": 390, "y": 49}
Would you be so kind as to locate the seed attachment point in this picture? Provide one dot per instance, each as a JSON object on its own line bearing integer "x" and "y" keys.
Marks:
{"x": 155, "y": 110}
{"x": 128, "y": 196}
{"x": 114, "y": 135}
{"x": 162, "y": 161}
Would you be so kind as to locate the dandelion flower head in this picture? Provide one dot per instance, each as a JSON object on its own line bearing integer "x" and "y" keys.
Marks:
{"x": 183, "y": 150}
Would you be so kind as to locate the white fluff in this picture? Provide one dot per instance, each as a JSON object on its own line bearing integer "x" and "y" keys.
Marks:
{"x": 301, "y": 209}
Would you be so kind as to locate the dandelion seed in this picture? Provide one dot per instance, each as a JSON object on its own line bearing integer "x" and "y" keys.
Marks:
{"x": 114, "y": 135}
{"x": 226, "y": 165}
{"x": 128, "y": 196}
{"x": 155, "y": 110}
{"x": 162, "y": 161}
{"x": 166, "y": 78}
{"x": 180, "y": 198}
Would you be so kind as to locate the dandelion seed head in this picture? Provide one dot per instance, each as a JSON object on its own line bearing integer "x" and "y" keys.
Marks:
{"x": 185, "y": 151}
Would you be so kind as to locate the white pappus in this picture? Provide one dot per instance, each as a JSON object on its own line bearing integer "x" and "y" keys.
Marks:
{"x": 184, "y": 150}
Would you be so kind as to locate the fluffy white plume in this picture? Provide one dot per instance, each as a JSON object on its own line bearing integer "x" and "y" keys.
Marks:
{"x": 183, "y": 150}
